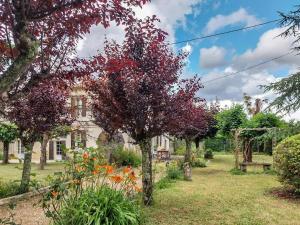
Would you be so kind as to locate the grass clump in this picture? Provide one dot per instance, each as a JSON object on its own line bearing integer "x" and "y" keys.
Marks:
{"x": 173, "y": 171}
{"x": 163, "y": 183}
{"x": 199, "y": 163}
{"x": 103, "y": 206}
{"x": 8, "y": 189}
{"x": 122, "y": 157}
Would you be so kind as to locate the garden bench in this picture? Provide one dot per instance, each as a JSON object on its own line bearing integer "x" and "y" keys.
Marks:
{"x": 243, "y": 166}
{"x": 163, "y": 155}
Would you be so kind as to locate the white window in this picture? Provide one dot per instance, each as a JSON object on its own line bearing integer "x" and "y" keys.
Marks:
{"x": 21, "y": 149}
{"x": 59, "y": 146}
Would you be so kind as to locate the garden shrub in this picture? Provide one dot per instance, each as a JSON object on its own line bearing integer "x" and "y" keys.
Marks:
{"x": 180, "y": 150}
{"x": 287, "y": 161}
{"x": 208, "y": 154}
{"x": 122, "y": 157}
{"x": 1, "y": 156}
{"x": 89, "y": 192}
{"x": 8, "y": 189}
{"x": 173, "y": 171}
{"x": 199, "y": 163}
{"x": 102, "y": 206}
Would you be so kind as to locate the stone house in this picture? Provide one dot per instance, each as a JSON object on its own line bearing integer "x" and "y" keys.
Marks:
{"x": 87, "y": 133}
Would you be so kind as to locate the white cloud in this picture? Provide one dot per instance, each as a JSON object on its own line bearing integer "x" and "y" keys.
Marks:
{"x": 212, "y": 57}
{"x": 232, "y": 87}
{"x": 220, "y": 21}
{"x": 171, "y": 13}
{"x": 94, "y": 41}
{"x": 187, "y": 48}
{"x": 270, "y": 45}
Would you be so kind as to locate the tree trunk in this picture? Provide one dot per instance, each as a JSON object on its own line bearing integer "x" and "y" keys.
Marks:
{"x": 5, "y": 152}
{"x": 247, "y": 151}
{"x": 147, "y": 171}
{"x": 187, "y": 160}
{"x": 43, "y": 158}
{"x": 24, "y": 186}
{"x": 198, "y": 150}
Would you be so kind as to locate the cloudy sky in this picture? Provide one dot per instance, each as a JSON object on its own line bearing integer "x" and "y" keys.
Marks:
{"x": 215, "y": 57}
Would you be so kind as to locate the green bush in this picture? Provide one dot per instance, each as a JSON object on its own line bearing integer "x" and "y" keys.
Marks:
{"x": 199, "y": 163}
{"x": 287, "y": 161}
{"x": 8, "y": 189}
{"x": 173, "y": 171}
{"x": 208, "y": 154}
{"x": 1, "y": 156}
{"x": 123, "y": 157}
{"x": 163, "y": 183}
{"x": 103, "y": 206}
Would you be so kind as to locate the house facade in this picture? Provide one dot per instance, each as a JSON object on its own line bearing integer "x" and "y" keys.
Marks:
{"x": 86, "y": 134}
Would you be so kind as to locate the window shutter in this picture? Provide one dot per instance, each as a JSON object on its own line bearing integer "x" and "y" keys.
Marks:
{"x": 51, "y": 150}
{"x": 73, "y": 140}
{"x": 83, "y": 138}
{"x": 83, "y": 111}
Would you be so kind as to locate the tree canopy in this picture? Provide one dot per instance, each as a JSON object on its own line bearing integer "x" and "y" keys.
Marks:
{"x": 8, "y": 132}
{"x": 38, "y": 38}
{"x": 288, "y": 89}
{"x": 231, "y": 118}
{"x": 137, "y": 90}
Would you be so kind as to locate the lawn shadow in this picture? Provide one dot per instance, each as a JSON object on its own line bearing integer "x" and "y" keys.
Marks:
{"x": 284, "y": 193}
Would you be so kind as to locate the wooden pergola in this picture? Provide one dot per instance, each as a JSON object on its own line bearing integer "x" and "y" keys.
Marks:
{"x": 237, "y": 133}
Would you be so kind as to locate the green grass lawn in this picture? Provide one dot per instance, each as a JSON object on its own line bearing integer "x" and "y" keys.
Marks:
{"x": 215, "y": 196}
{"x": 14, "y": 171}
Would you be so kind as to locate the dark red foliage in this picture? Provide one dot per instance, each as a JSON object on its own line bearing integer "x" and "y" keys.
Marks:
{"x": 56, "y": 26}
{"x": 198, "y": 123}
{"x": 137, "y": 88}
{"x": 44, "y": 108}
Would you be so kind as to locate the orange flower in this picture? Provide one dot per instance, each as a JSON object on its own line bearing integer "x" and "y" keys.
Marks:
{"x": 85, "y": 155}
{"x": 109, "y": 169}
{"x": 127, "y": 169}
{"x": 79, "y": 168}
{"x": 138, "y": 189}
{"x": 117, "y": 179}
{"x": 94, "y": 158}
{"x": 95, "y": 172}
{"x": 54, "y": 194}
{"x": 98, "y": 167}
{"x": 132, "y": 176}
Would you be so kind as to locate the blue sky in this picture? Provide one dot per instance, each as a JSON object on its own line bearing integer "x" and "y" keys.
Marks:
{"x": 237, "y": 42}
{"x": 215, "y": 57}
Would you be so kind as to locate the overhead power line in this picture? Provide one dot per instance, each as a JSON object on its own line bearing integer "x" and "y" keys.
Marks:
{"x": 248, "y": 68}
{"x": 225, "y": 32}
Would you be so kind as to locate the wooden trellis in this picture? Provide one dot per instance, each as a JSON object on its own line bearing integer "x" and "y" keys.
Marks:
{"x": 237, "y": 133}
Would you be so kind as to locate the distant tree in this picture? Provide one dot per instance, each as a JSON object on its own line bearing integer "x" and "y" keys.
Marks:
{"x": 192, "y": 126}
{"x": 288, "y": 89}
{"x": 255, "y": 107}
{"x": 231, "y": 118}
{"x": 35, "y": 114}
{"x": 8, "y": 133}
{"x": 211, "y": 129}
{"x": 137, "y": 90}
